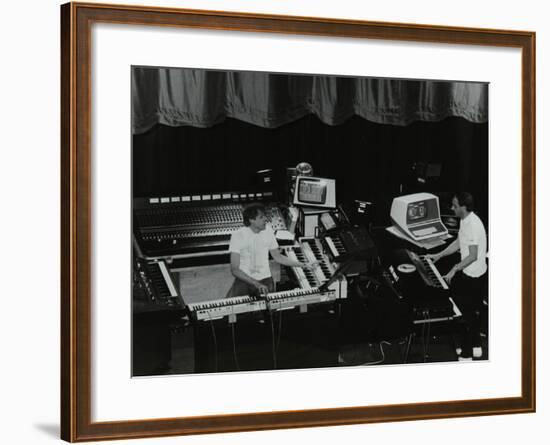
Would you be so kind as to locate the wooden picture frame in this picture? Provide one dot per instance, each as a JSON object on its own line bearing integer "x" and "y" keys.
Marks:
{"x": 76, "y": 220}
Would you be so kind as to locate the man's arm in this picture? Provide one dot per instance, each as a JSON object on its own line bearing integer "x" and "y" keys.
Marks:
{"x": 451, "y": 248}
{"x": 238, "y": 273}
{"x": 472, "y": 256}
{"x": 286, "y": 261}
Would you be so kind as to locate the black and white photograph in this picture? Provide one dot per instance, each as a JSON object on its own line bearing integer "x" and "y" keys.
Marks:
{"x": 295, "y": 221}
{"x": 313, "y": 222}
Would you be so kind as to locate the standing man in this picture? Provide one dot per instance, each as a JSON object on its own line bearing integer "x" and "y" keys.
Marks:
{"x": 249, "y": 248}
{"x": 467, "y": 277}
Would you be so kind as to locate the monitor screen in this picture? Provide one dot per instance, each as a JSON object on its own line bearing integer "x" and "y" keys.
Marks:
{"x": 426, "y": 209}
{"x": 416, "y": 211}
{"x": 312, "y": 190}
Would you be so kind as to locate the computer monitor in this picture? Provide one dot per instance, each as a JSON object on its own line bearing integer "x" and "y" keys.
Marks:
{"x": 315, "y": 192}
{"x": 418, "y": 216}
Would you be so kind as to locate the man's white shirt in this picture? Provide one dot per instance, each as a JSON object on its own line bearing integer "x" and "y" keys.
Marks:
{"x": 253, "y": 249}
{"x": 472, "y": 232}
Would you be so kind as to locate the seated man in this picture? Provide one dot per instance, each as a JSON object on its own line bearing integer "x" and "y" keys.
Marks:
{"x": 249, "y": 248}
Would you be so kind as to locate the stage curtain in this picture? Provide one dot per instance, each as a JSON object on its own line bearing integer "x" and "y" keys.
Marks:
{"x": 204, "y": 98}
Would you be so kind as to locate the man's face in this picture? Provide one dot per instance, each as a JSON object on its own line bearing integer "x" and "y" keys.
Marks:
{"x": 259, "y": 222}
{"x": 459, "y": 210}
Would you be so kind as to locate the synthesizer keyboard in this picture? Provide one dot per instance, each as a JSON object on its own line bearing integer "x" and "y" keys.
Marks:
{"x": 234, "y": 306}
{"x": 154, "y": 277}
{"x": 420, "y": 284}
{"x": 428, "y": 271}
{"x": 309, "y": 250}
{"x": 344, "y": 242}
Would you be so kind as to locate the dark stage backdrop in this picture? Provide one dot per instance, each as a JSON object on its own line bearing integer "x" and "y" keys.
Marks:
{"x": 370, "y": 161}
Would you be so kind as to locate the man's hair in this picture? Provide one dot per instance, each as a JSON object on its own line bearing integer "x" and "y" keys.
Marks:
{"x": 465, "y": 199}
{"x": 251, "y": 211}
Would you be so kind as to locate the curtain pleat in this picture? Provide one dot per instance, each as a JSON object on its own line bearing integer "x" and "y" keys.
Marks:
{"x": 201, "y": 98}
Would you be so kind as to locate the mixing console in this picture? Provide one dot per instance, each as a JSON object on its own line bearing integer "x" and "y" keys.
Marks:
{"x": 165, "y": 229}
